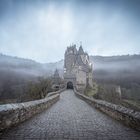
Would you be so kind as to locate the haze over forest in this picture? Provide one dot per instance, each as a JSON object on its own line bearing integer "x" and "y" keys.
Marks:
{"x": 82, "y": 57}
{"x": 40, "y": 31}
{"x": 117, "y": 69}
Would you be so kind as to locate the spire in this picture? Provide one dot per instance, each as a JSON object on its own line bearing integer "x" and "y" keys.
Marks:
{"x": 81, "y": 50}
{"x": 80, "y": 43}
{"x": 56, "y": 73}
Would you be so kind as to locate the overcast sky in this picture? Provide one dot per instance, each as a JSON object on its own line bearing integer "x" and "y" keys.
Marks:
{"x": 41, "y": 30}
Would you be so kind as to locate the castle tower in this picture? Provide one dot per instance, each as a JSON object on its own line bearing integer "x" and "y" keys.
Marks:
{"x": 77, "y": 68}
{"x": 70, "y": 57}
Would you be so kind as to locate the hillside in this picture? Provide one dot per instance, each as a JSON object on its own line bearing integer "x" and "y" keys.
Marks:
{"x": 111, "y": 65}
{"x": 116, "y": 62}
{"x": 119, "y": 70}
{"x": 22, "y": 66}
{"x": 124, "y": 67}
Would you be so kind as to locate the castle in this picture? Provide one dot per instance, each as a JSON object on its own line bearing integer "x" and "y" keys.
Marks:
{"x": 77, "y": 68}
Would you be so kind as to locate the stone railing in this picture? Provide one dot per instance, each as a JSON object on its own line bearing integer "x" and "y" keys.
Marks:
{"x": 12, "y": 114}
{"x": 56, "y": 92}
{"x": 127, "y": 116}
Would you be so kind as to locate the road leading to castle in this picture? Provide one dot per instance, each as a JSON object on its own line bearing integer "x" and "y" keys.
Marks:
{"x": 71, "y": 118}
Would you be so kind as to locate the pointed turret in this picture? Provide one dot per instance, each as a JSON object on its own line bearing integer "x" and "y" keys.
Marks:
{"x": 56, "y": 77}
{"x": 56, "y": 73}
{"x": 80, "y": 51}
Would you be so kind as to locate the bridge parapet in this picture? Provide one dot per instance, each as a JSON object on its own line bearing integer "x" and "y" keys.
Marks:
{"x": 12, "y": 114}
{"x": 56, "y": 92}
{"x": 127, "y": 116}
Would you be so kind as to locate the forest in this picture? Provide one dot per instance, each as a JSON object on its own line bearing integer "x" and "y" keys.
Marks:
{"x": 24, "y": 80}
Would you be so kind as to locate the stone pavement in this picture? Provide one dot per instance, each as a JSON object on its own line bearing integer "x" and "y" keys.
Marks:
{"x": 71, "y": 118}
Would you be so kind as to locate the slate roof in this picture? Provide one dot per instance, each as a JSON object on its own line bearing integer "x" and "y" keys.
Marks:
{"x": 79, "y": 62}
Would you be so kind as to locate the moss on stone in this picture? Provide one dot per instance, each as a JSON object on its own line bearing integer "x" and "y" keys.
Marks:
{"x": 91, "y": 91}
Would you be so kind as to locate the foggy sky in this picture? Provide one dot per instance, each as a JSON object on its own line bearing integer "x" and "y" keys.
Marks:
{"x": 41, "y": 30}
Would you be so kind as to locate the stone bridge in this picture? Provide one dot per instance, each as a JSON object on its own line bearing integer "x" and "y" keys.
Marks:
{"x": 70, "y": 118}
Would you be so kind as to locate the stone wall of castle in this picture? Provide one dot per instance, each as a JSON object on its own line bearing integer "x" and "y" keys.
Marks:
{"x": 81, "y": 78}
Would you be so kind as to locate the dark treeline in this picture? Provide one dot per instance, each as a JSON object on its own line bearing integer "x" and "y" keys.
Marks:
{"x": 17, "y": 75}
{"x": 17, "y": 87}
{"x": 122, "y": 71}
{"x": 129, "y": 81}
{"x": 23, "y": 79}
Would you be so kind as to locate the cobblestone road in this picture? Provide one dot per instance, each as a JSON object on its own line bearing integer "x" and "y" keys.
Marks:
{"x": 71, "y": 118}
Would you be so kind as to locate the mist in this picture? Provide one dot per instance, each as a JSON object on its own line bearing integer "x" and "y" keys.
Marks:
{"x": 35, "y": 34}
{"x": 56, "y": 51}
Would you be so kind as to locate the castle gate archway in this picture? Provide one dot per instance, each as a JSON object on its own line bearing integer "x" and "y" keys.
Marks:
{"x": 69, "y": 85}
